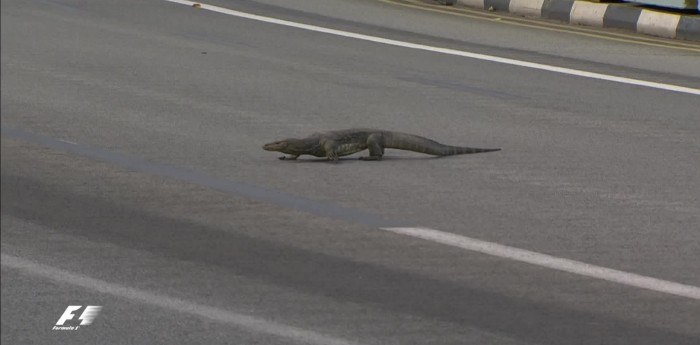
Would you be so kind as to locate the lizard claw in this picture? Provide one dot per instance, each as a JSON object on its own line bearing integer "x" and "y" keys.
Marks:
{"x": 333, "y": 157}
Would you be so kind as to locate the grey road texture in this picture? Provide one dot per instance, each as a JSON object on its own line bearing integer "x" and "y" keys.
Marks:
{"x": 133, "y": 178}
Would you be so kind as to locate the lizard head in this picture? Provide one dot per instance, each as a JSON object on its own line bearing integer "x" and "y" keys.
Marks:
{"x": 288, "y": 146}
{"x": 275, "y": 146}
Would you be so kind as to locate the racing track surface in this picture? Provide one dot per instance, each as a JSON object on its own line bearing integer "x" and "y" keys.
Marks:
{"x": 133, "y": 178}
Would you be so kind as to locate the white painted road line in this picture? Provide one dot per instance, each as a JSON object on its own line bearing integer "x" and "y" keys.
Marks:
{"x": 551, "y": 262}
{"x": 507, "y": 61}
{"x": 174, "y": 304}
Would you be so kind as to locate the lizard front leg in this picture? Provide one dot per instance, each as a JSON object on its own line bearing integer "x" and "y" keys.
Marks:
{"x": 330, "y": 148}
{"x": 289, "y": 158}
{"x": 332, "y": 156}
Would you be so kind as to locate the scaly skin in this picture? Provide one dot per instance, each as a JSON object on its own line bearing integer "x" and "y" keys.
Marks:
{"x": 336, "y": 144}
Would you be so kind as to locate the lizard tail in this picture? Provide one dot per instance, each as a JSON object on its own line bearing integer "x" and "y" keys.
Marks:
{"x": 410, "y": 142}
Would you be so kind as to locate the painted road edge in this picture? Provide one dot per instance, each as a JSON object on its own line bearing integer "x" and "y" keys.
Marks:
{"x": 434, "y": 49}
{"x": 170, "y": 303}
{"x": 640, "y": 20}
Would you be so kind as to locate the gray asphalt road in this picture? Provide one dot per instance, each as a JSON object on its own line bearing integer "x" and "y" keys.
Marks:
{"x": 133, "y": 178}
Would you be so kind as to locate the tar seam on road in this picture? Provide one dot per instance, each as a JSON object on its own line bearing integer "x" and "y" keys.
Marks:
{"x": 179, "y": 305}
{"x": 258, "y": 193}
{"x": 329, "y": 210}
{"x": 477, "y": 56}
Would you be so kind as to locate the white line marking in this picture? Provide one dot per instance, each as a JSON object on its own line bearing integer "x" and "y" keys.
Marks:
{"x": 175, "y": 304}
{"x": 552, "y": 262}
{"x": 569, "y": 71}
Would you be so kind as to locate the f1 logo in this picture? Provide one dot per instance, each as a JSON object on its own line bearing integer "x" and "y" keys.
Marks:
{"x": 86, "y": 318}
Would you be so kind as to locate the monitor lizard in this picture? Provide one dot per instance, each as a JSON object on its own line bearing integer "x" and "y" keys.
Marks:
{"x": 334, "y": 144}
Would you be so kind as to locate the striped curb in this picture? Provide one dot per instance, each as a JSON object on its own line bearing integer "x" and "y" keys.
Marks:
{"x": 644, "y": 21}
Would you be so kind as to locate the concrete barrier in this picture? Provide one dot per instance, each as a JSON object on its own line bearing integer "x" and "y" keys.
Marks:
{"x": 645, "y": 21}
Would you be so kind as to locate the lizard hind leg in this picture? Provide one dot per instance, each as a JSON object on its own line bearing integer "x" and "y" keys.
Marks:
{"x": 375, "y": 144}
